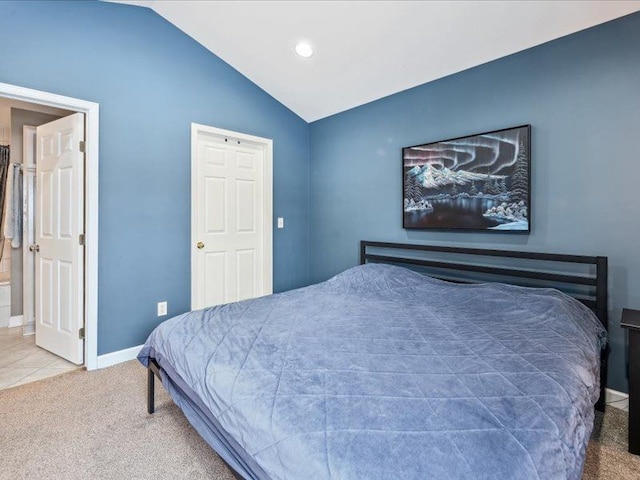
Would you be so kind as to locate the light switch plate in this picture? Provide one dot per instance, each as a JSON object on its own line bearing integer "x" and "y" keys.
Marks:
{"x": 280, "y": 222}
{"x": 162, "y": 308}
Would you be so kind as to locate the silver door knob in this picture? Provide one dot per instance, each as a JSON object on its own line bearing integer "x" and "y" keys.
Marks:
{"x": 34, "y": 248}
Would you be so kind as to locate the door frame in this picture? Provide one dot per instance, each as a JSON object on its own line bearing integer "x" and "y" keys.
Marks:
{"x": 28, "y": 226}
{"x": 267, "y": 199}
{"x": 91, "y": 112}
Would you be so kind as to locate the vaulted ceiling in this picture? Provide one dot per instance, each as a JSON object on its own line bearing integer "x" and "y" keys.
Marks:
{"x": 366, "y": 50}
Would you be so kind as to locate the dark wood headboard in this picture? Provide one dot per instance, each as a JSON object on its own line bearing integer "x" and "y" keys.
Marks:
{"x": 542, "y": 268}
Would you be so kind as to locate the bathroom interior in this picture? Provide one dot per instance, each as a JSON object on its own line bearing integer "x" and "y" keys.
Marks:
{"x": 21, "y": 360}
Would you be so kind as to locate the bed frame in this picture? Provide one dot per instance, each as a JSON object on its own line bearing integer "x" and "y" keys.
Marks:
{"x": 544, "y": 269}
{"x": 459, "y": 271}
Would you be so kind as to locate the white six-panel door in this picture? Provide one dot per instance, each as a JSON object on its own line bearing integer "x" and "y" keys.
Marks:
{"x": 59, "y": 256}
{"x": 231, "y": 217}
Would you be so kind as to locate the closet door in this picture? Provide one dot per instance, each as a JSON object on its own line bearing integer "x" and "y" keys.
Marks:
{"x": 58, "y": 248}
{"x": 231, "y": 210}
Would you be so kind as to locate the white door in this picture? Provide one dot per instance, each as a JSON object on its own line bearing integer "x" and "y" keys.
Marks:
{"x": 59, "y": 224}
{"x": 231, "y": 217}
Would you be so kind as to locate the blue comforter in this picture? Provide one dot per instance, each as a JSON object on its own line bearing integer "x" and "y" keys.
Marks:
{"x": 383, "y": 373}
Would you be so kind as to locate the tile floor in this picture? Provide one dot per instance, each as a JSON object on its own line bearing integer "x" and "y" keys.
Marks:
{"x": 21, "y": 361}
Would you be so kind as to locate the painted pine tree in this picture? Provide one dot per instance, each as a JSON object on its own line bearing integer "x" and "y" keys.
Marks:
{"x": 503, "y": 185}
{"x": 520, "y": 177}
{"x": 412, "y": 188}
{"x": 495, "y": 187}
{"x": 487, "y": 183}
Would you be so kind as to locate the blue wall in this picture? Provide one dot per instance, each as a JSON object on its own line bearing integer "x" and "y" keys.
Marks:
{"x": 152, "y": 81}
{"x": 581, "y": 94}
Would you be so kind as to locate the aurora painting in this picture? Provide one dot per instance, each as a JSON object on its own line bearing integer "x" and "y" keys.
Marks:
{"x": 480, "y": 182}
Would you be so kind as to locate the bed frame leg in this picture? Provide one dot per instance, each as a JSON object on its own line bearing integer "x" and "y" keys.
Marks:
{"x": 150, "y": 390}
{"x": 604, "y": 360}
{"x": 153, "y": 370}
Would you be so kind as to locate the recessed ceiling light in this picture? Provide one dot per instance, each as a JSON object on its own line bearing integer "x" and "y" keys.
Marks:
{"x": 304, "y": 49}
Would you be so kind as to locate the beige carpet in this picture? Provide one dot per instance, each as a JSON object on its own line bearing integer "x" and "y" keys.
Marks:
{"x": 607, "y": 456}
{"x": 94, "y": 425}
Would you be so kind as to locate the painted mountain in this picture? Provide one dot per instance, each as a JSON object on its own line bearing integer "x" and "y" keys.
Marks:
{"x": 479, "y": 182}
{"x": 429, "y": 176}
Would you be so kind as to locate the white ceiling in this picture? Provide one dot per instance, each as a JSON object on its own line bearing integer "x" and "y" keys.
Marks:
{"x": 366, "y": 50}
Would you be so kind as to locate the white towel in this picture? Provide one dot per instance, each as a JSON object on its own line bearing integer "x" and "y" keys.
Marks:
{"x": 8, "y": 208}
{"x": 13, "y": 206}
{"x": 16, "y": 206}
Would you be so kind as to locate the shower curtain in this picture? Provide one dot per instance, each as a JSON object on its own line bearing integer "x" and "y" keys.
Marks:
{"x": 4, "y": 169}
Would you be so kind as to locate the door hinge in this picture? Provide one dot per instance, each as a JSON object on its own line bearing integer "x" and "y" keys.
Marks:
{"x": 81, "y": 239}
{"x": 81, "y": 333}
{"x": 83, "y": 147}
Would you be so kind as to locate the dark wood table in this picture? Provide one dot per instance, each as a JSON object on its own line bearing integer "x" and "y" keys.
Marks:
{"x": 631, "y": 321}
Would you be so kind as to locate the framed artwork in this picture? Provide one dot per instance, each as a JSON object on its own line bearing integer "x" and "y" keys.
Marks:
{"x": 477, "y": 183}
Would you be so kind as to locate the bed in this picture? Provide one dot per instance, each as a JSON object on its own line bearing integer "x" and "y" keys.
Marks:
{"x": 385, "y": 372}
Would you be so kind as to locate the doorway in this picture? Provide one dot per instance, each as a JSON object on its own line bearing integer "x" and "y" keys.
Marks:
{"x": 86, "y": 117}
{"x": 27, "y": 353}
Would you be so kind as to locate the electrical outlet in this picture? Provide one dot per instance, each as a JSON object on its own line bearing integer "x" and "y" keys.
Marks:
{"x": 162, "y": 308}
{"x": 280, "y": 222}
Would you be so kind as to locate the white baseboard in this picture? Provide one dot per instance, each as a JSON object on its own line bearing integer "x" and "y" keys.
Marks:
{"x": 616, "y": 399}
{"x": 16, "y": 321}
{"x": 113, "y": 358}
